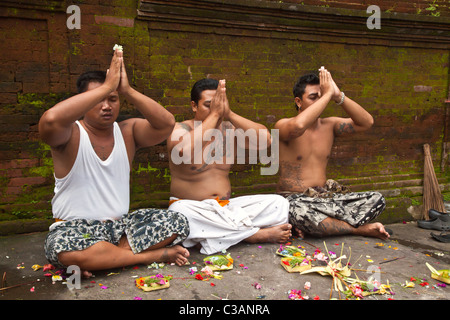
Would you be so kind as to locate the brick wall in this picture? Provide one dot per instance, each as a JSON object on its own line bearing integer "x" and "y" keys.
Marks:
{"x": 399, "y": 73}
{"x": 417, "y": 7}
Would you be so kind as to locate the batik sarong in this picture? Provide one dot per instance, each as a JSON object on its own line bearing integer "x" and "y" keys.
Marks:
{"x": 143, "y": 229}
{"x": 307, "y": 210}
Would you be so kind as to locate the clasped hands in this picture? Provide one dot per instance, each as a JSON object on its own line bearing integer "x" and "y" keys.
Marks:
{"x": 116, "y": 75}
{"x": 219, "y": 103}
{"x": 328, "y": 86}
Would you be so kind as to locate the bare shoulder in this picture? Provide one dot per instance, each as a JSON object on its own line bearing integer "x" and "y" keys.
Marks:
{"x": 185, "y": 125}
{"x": 72, "y": 142}
{"x": 280, "y": 123}
{"x": 126, "y": 126}
{"x": 180, "y": 129}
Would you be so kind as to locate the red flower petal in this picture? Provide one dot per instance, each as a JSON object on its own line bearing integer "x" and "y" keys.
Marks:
{"x": 198, "y": 277}
{"x": 48, "y": 267}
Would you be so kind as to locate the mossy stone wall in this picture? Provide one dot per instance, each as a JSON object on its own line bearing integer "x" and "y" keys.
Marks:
{"x": 400, "y": 74}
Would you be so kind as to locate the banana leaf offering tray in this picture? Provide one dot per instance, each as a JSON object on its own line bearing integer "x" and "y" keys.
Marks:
{"x": 152, "y": 283}
{"x": 294, "y": 259}
{"x": 440, "y": 275}
{"x": 219, "y": 262}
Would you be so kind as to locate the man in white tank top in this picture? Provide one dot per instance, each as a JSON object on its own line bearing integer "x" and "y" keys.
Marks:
{"x": 92, "y": 159}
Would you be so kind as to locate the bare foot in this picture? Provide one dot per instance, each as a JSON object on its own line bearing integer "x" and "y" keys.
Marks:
{"x": 299, "y": 232}
{"x": 276, "y": 234}
{"x": 176, "y": 254}
{"x": 375, "y": 229}
{"x": 86, "y": 274}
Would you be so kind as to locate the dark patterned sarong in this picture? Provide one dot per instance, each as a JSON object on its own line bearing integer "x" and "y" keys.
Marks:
{"x": 143, "y": 229}
{"x": 307, "y": 210}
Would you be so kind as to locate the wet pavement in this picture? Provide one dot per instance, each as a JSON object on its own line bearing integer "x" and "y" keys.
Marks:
{"x": 257, "y": 275}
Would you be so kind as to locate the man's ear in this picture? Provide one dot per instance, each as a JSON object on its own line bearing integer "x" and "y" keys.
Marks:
{"x": 298, "y": 102}
{"x": 194, "y": 106}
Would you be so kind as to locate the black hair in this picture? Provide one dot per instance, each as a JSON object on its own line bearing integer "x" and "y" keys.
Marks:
{"x": 90, "y": 76}
{"x": 302, "y": 82}
{"x": 202, "y": 85}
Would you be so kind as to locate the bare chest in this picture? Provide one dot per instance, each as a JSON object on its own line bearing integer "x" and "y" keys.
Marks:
{"x": 313, "y": 144}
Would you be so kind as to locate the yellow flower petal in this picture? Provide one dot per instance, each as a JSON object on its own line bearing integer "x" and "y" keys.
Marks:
{"x": 56, "y": 278}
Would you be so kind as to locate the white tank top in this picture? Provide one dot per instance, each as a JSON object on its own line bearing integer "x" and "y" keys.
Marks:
{"x": 94, "y": 189}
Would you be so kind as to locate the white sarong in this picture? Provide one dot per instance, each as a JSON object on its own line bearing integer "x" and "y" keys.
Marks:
{"x": 218, "y": 227}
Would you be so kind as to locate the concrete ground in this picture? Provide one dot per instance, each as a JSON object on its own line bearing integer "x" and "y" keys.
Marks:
{"x": 257, "y": 276}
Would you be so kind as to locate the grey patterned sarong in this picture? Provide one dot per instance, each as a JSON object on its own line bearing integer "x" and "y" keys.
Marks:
{"x": 307, "y": 210}
{"x": 143, "y": 229}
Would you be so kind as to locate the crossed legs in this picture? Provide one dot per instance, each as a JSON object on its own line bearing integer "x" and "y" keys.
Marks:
{"x": 338, "y": 215}
{"x": 105, "y": 255}
{"x": 331, "y": 227}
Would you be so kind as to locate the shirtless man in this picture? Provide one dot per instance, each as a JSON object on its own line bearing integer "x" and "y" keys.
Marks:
{"x": 92, "y": 160}
{"x": 305, "y": 146}
{"x": 201, "y": 189}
